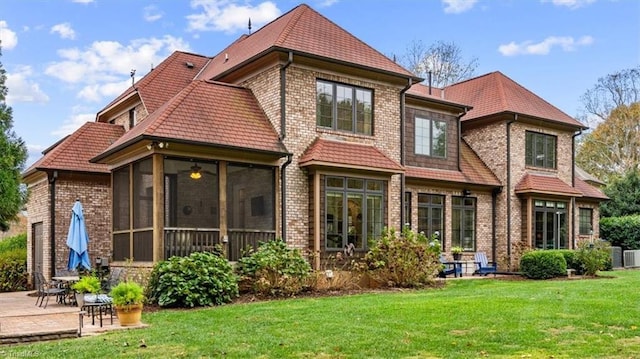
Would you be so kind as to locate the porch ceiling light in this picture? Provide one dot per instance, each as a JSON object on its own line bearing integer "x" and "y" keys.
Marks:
{"x": 195, "y": 172}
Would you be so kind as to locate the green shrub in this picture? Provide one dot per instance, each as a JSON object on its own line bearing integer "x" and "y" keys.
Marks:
{"x": 407, "y": 260}
{"x": 201, "y": 279}
{"x": 593, "y": 256}
{"x": 621, "y": 231}
{"x": 570, "y": 256}
{"x": 87, "y": 284}
{"x": 11, "y": 243}
{"x": 543, "y": 264}
{"x": 13, "y": 270}
{"x": 275, "y": 270}
{"x": 127, "y": 293}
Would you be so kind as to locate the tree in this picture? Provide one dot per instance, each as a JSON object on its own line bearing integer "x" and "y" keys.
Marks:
{"x": 444, "y": 61}
{"x": 610, "y": 92}
{"x": 624, "y": 193}
{"x": 12, "y": 159}
{"x": 613, "y": 147}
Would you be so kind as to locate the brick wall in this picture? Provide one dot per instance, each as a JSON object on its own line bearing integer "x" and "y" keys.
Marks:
{"x": 484, "y": 213}
{"x": 94, "y": 194}
{"x": 38, "y": 209}
{"x": 301, "y": 131}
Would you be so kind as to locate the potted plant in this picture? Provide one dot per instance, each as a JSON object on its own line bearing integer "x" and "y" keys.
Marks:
{"x": 128, "y": 299}
{"x": 457, "y": 253}
{"x": 89, "y": 284}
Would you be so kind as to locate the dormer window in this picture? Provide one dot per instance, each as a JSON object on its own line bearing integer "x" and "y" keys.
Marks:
{"x": 344, "y": 108}
{"x": 540, "y": 150}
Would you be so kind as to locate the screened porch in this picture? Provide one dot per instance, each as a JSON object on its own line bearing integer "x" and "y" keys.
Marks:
{"x": 191, "y": 206}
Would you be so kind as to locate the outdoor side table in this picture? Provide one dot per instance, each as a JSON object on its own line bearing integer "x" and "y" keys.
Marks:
{"x": 98, "y": 308}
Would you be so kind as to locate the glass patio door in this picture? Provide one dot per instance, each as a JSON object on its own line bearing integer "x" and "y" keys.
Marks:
{"x": 550, "y": 225}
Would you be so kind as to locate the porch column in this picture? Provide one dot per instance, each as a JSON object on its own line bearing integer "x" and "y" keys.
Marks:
{"x": 158, "y": 207}
{"x": 222, "y": 213}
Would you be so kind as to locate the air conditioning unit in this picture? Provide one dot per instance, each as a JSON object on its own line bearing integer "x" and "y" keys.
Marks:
{"x": 632, "y": 259}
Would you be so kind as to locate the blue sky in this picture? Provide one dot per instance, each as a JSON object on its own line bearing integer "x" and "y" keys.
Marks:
{"x": 66, "y": 59}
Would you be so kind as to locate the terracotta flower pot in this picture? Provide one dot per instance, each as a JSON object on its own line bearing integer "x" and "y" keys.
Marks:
{"x": 129, "y": 314}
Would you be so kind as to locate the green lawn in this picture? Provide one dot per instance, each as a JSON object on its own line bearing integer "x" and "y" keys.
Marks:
{"x": 594, "y": 318}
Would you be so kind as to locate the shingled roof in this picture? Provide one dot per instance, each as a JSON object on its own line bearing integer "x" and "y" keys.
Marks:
{"x": 589, "y": 191}
{"x": 472, "y": 170}
{"x": 165, "y": 81}
{"x": 73, "y": 152}
{"x": 495, "y": 93}
{"x": 531, "y": 183}
{"x": 324, "y": 152}
{"x": 211, "y": 114}
{"x": 303, "y": 31}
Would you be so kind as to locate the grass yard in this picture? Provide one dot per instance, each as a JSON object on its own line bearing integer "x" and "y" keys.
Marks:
{"x": 581, "y": 318}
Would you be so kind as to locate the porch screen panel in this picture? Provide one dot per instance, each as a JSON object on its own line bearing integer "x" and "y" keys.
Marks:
{"x": 188, "y": 202}
{"x": 143, "y": 194}
{"x": 121, "y": 250}
{"x": 143, "y": 246}
{"x": 250, "y": 207}
{"x": 121, "y": 199}
{"x": 251, "y": 197}
{"x": 334, "y": 216}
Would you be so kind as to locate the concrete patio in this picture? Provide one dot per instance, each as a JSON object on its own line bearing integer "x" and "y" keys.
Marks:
{"x": 22, "y": 321}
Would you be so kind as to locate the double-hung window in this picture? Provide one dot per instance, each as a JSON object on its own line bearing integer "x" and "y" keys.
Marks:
{"x": 540, "y": 150}
{"x": 586, "y": 221}
{"x": 431, "y": 137}
{"x": 344, "y": 107}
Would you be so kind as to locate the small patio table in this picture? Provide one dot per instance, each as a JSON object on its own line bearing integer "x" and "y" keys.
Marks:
{"x": 96, "y": 308}
{"x": 67, "y": 282}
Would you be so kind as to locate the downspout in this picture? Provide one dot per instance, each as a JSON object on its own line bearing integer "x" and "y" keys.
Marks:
{"x": 515, "y": 118}
{"x": 460, "y": 134}
{"x": 573, "y": 184}
{"x": 402, "y": 150}
{"x": 283, "y": 185}
{"x": 52, "y": 215}
{"x": 283, "y": 134}
{"x": 494, "y": 221}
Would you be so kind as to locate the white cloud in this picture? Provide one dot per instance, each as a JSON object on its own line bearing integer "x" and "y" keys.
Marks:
{"x": 83, "y": 1}
{"x": 458, "y": 6}
{"x": 77, "y": 119}
{"x": 22, "y": 89}
{"x": 152, "y": 13}
{"x": 571, "y": 4}
{"x": 8, "y": 38}
{"x": 227, "y": 16}
{"x": 103, "y": 67}
{"x": 566, "y": 43}
{"x": 327, "y": 3}
{"x": 64, "y": 30}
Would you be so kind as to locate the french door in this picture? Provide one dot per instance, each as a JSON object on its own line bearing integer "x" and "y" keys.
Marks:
{"x": 550, "y": 225}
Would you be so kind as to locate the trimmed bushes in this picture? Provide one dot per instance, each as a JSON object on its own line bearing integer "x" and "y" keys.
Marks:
{"x": 201, "y": 279}
{"x": 621, "y": 231}
{"x": 543, "y": 264}
{"x": 274, "y": 270}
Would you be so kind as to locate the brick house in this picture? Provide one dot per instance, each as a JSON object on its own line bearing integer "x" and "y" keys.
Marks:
{"x": 303, "y": 132}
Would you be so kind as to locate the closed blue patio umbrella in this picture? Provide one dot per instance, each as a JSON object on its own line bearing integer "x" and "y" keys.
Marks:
{"x": 78, "y": 240}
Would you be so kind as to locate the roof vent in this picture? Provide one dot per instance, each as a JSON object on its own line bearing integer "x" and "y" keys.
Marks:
{"x": 226, "y": 57}
{"x": 189, "y": 64}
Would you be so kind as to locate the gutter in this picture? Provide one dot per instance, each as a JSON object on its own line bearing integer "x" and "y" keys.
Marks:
{"x": 515, "y": 118}
{"x": 52, "y": 176}
{"x": 402, "y": 150}
{"x": 573, "y": 184}
{"x": 464, "y": 112}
